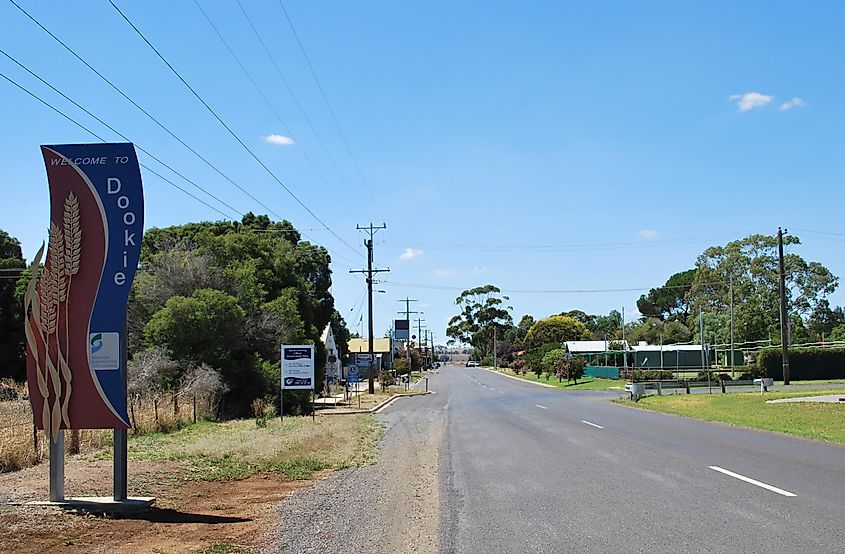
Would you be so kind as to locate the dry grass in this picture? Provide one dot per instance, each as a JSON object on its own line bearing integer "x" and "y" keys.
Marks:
{"x": 21, "y": 446}
{"x": 294, "y": 448}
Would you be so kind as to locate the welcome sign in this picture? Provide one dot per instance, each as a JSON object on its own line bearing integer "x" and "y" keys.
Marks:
{"x": 76, "y": 307}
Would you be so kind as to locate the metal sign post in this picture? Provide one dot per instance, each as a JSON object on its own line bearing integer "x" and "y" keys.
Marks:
{"x": 57, "y": 468}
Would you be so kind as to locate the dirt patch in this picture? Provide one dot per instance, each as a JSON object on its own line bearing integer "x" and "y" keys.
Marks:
{"x": 189, "y": 515}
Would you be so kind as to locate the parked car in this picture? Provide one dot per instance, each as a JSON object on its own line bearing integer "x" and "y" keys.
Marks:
{"x": 472, "y": 363}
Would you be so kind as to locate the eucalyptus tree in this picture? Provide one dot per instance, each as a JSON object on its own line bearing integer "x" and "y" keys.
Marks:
{"x": 483, "y": 312}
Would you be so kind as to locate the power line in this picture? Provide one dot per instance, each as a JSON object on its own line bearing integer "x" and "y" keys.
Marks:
{"x": 551, "y": 291}
{"x": 229, "y": 129}
{"x": 144, "y": 111}
{"x": 574, "y": 246}
{"x": 118, "y": 133}
{"x": 258, "y": 89}
{"x": 145, "y": 167}
{"x": 92, "y": 133}
{"x": 820, "y": 232}
{"x": 298, "y": 104}
{"x": 328, "y": 105}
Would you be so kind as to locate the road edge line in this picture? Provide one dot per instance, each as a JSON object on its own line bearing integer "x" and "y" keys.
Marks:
{"x": 518, "y": 379}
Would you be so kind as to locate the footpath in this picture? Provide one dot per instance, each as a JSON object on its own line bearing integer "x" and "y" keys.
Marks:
{"x": 361, "y": 402}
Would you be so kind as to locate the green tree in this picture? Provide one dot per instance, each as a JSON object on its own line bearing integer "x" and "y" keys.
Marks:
{"x": 669, "y": 301}
{"x": 533, "y": 359}
{"x": 752, "y": 264}
{"x": 838, "y": 333}
{"x": 553, "y": 363}
{"x": 205, "y": 327}
{"x": 556, "y": 329}
{"x": 653, "y": 330}
{"x": 12, "y": 353}
{"x": 483, "y": 309}
{"x": 281, "y": 284}
{"x": 576, "y": 366}
{"x": 823, "y": 320}
{"x": 607, "y": 327}
{"x": 515, "y": 334}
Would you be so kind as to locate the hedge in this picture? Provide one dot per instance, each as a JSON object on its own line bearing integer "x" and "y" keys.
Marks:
{"x": 804, "y": 363}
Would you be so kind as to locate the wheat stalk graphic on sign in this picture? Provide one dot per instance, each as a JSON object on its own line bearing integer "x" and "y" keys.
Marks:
{"x": 45, "y": 297}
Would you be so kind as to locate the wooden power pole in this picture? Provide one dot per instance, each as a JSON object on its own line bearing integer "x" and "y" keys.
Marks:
{"x": 369, "y": 272}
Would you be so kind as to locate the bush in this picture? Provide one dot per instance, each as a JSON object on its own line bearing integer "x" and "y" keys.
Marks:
{"x": 750, "y": 373}
{"x": 649, "y": 375}
{"x": 263, "y": 409}
{"x": 804, "y": 363}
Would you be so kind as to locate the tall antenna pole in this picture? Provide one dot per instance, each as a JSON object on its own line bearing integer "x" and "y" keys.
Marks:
{"x": 369, "y": 272}
{"x": 784, "y": 316}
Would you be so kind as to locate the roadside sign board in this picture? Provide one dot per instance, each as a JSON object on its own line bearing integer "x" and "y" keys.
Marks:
{"x": 352, "y": 374}
{"x": 401, "y": 329}
{"x": 298, "y": 367}
{"x": 363, "y": 359}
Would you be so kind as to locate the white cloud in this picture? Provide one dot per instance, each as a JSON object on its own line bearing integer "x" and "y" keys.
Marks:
{"x": 410, "y": 254}
{"x": 794, "y": 103}
{"x": 278, "y": 139}
{"x": 482, "y": 269}
{"x": 750, "y": 100}
{"x": 445, "y": 272}
{"x": 649, "y": 234}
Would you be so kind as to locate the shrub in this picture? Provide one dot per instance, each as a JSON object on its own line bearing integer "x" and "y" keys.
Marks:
{"x": 263, "y": 409}
{"x": 804, "y": 363}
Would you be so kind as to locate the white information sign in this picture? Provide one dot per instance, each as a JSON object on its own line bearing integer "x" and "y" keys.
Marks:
{"x": 298, "y": 367}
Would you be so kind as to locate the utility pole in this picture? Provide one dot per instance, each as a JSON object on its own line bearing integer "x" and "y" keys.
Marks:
{"x": 624, "y": 347}
{"x": 495, "y": 361}
{"x": 420, "y": 330}
{"x": 407, "y": 314}
{"x": 731, "y": 280}
{"x": 369, "y": 272}
{"x": 784, "y": 316}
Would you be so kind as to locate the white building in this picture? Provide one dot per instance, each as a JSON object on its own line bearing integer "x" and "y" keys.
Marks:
{"x": 333, "y": 373}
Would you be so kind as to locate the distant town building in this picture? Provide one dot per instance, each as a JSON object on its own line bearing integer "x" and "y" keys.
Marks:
{"x": 334, "y": 372}
{"x": 359, "y": 349}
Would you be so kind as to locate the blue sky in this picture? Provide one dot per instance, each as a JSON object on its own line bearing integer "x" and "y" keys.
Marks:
{"x": 535, "y": 146}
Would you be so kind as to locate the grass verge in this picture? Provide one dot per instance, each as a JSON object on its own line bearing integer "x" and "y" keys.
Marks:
{"x": 587, "y": 383}
{"x": 819, "y": 421}
{"x": 293, "y": 449}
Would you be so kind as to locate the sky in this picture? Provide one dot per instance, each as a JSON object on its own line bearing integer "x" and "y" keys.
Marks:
{"x": 536, "y": 146}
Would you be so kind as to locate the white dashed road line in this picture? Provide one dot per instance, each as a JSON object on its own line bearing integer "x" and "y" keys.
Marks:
{"x": 539, "y": 406}
{"x": 591, "y": 424}
{"x": 752, "y": 481}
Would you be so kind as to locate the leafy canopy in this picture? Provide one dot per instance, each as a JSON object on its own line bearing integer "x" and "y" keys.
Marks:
{"x": 555, "y": 329}
{"x": 482, "y": 312}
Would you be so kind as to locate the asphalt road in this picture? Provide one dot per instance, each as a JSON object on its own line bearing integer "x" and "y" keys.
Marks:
{"x": 529, "y": 469}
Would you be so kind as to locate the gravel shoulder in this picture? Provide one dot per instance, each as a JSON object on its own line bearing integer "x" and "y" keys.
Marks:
{"x": 392, "y": 506}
